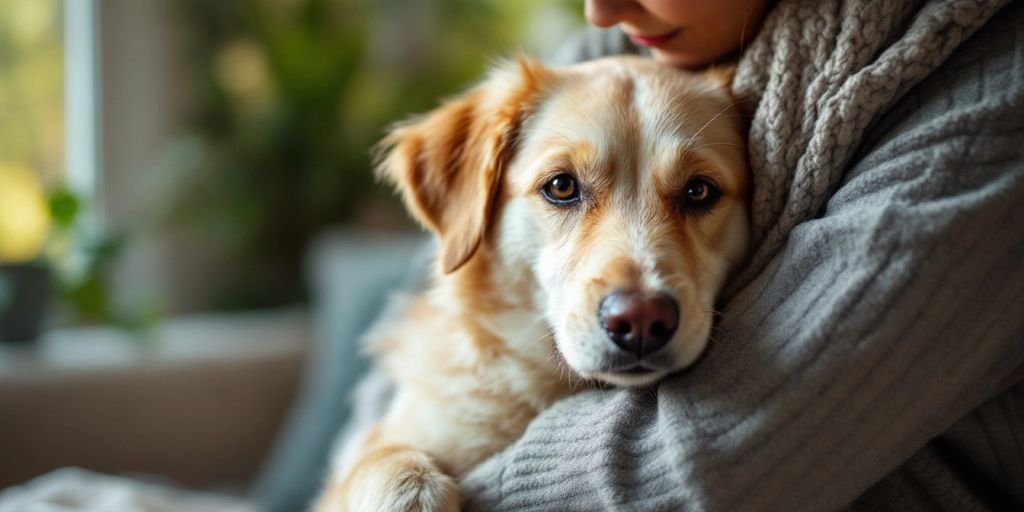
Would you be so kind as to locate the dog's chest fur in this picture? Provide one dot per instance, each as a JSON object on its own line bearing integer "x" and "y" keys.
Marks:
{"x": 495, "y": 352}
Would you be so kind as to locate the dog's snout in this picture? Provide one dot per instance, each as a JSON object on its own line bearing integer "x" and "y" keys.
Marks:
{"x": 638, "y": 322}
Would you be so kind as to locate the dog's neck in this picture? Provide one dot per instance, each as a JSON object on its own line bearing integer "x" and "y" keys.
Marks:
{"x": 492, "y": 301}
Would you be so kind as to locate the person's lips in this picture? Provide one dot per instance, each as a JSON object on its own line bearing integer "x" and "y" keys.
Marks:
{"x": 652, "y": 41}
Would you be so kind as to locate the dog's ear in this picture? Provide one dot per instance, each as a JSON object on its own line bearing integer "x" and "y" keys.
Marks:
{"x": 722, "y": 74}
{"x": 448, "y": 163}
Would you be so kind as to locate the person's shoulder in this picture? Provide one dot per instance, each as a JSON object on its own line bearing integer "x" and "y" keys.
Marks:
{"x": 984, "y": 75}
{"x": 594, "y": 43}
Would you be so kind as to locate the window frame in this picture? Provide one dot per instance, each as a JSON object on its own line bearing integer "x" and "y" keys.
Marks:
{"x": 82, "y": 107}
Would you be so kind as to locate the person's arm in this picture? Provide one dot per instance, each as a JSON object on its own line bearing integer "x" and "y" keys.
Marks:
{"x": 879, "y": 325}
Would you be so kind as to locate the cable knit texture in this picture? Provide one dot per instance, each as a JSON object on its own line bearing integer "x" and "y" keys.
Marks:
{"x": 820, "y": 74}
{"x": 871, "y": 356}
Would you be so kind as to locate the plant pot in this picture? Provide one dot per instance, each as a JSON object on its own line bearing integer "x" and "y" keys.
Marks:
{"x": 24, "y": 299}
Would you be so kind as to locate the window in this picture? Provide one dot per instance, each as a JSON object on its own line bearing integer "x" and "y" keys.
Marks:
{"x": 31, "y": 87}
{"x": 31, "y": 122}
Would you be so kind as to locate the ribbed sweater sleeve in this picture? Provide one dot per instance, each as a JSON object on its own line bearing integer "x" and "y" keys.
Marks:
{"x": 894, "y": 313}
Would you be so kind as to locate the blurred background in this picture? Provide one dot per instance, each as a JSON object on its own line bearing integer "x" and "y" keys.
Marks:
{"x": 191, "y": 239}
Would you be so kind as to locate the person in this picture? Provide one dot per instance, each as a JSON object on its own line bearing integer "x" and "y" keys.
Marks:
{"x": 683, "y": 34}
{"x": 871, "y": 355}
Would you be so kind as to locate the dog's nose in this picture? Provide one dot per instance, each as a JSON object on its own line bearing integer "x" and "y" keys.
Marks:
{"x": 639, "y": 322}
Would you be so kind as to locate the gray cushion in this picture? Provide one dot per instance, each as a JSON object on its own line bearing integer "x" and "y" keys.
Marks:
{"x": 350, "y": 275}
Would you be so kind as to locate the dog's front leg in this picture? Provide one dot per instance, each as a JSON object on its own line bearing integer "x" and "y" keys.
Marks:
{"x": 391, "y": 479}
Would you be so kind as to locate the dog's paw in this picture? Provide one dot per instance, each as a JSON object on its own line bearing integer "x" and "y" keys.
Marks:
{"x": 394, "y": 481}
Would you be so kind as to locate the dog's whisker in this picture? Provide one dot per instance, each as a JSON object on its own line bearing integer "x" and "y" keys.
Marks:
{"x": 543, "y": 367}
{"x": 702, "y": 128}
{"x": 712, "y": 144}
{"x": 544, "y": 337}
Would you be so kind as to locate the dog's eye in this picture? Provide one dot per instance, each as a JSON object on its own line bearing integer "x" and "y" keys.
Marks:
{"x": 561, "y": 189}
{"x": 699, "y": 195}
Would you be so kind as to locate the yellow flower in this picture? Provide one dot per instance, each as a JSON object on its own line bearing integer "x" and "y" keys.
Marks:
{"x": 24, "y": 218}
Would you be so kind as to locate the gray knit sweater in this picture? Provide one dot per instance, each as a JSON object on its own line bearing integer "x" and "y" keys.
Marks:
{"x": 872, "y": 357}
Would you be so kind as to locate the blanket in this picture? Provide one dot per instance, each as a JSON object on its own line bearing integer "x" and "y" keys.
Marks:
{"x": 78, "y": 490}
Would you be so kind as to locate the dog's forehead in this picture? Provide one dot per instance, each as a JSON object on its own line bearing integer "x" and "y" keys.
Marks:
{"x": 627, "y": 116}
{"x": 667, "y": 100}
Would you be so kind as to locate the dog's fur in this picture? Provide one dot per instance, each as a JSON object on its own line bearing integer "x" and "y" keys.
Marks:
{"x": 509, "y": 322}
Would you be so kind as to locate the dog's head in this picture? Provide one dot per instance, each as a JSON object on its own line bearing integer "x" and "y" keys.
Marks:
{"x": 617, "y": 189}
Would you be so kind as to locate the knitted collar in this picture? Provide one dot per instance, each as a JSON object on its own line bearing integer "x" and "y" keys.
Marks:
{"x": 820, "y": 73}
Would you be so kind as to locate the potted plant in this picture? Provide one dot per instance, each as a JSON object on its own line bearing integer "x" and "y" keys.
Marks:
{"x": 46, "y": 259}
{"x": 25, "y": 226}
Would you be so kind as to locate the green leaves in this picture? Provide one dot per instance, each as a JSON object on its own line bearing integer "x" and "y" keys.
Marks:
{"x": 291, "y": 96}
{"x": 64, "y": 207}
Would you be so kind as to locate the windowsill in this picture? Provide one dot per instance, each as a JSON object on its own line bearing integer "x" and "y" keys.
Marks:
{"x": 200, "y": 404}
{"x": 182, "y": 341}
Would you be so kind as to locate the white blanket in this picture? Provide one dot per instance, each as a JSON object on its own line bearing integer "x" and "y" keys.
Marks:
{"x": 78, "y": 490}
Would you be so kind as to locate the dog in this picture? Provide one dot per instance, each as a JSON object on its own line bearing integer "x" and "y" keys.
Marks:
{"x": 586, "y": 217}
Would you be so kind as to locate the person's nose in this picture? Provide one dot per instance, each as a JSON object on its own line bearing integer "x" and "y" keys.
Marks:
{"x": 605, "y": 13}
